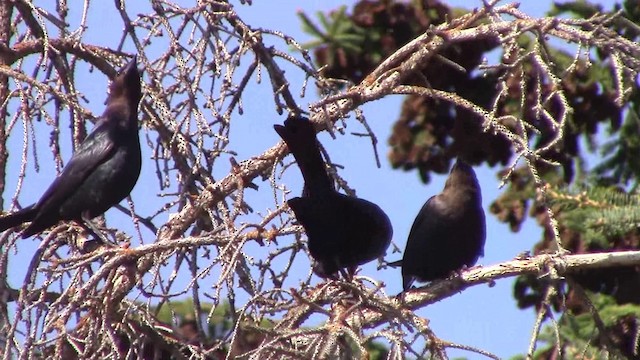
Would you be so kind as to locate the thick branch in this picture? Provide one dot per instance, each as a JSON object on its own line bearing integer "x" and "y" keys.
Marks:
{"x": 539, "y": 265}
{"x": 387, "y": 308}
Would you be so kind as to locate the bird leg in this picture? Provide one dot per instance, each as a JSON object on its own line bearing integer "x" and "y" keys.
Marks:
{"x": 348, "y": 273}
{"x": 93, "y": 229}
{"x": 345, "y": 274}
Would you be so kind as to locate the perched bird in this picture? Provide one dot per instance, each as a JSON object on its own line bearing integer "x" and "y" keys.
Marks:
{"x": 343, "y": 231}
{"x": 102, "y": 171}
{"x": 449, "y": 231}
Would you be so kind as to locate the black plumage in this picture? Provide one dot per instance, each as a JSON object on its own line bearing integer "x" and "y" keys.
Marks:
{"x": 343, "y": 231}
{"x": 103, "y": 170}
{"x": 449, "y": 231}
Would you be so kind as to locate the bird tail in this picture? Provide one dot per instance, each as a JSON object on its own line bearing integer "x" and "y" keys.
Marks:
{"x": 17, "y": 218}
{"x": 299, "y": 135}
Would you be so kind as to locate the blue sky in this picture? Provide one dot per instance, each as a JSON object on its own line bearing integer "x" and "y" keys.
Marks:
{"x": 484, "y": 317}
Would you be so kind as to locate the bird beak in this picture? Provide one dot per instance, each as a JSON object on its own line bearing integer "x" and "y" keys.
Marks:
{"x": 131, "y": 68}
{"x": 456, "y": 165}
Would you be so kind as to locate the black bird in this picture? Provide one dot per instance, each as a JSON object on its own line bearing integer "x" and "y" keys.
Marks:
{"x": 449, "y": 231}
{"x": 343, "y": 231}
{"x": 102, "y": 171}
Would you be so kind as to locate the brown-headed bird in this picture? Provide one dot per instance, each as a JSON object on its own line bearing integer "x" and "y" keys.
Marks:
{"x": 343, "y": 231}
{"x": 449, "y": 231}
{"x": 102, "y": 171}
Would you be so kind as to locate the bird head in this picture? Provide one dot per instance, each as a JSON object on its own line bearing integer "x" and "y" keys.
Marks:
{"x": 462, "y": 175}
{"x": 296, "y": 127}
{"x": 127, "y": 83}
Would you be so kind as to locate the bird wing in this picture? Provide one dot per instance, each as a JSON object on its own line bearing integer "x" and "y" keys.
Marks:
{"x": 426, "y": 214}
{"x": 420, "y": 243}
{"x": 93, "y": 151}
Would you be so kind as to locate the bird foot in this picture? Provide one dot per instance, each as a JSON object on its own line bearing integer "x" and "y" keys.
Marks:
{"x": 466, "y": 268}
{"x": 458, "y": 272}
{"x": 88, "y": 246}
{"x": 93, "y": 230}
